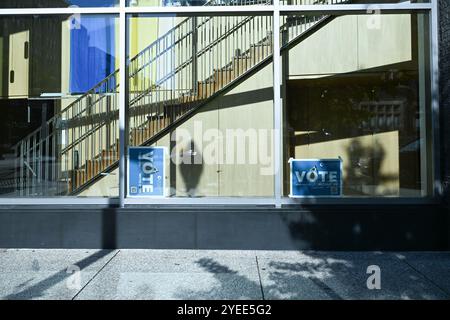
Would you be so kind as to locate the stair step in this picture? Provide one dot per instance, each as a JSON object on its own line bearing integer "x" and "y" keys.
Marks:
{"x": 222, "y": 78}
{"x": 92, "y": 168}
{"x": 240, "y": 65}
{"x": 205, "y": 89}
{"x": 185, "y": 99}
{"x": 140, "y": 135}
{"x": 258, "y": 53}
{"x": 80, "y": 178}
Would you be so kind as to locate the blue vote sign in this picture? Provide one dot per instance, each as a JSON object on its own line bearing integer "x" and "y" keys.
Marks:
{"x": 315, "y": 177}
{"x": 146, "y": 171}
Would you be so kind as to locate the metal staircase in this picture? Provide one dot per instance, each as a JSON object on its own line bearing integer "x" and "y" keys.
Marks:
{"x": 169, "y": 81}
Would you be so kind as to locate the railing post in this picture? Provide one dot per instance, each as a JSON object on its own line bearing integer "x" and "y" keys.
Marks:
{"x": 194, "y": 55}
{"x": 108, "y": 124}
{"x": 21, "y": 159}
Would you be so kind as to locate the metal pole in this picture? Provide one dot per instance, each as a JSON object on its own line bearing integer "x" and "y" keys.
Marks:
{"x": 122, "y": 103}
{"x": 278, "y": 110}
{"x": 434, "y": 57}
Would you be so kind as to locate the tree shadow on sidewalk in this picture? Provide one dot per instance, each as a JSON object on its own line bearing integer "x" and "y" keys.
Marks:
{"x": 38, "y": 290}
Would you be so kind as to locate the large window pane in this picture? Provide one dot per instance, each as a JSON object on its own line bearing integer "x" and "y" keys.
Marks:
{"x": 58, "y": 98}
{"x": 357, "y": 89}
{"x": 202, "y": 88}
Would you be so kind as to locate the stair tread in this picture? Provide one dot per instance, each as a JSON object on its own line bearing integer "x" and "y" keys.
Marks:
{"x": 163, "y": 112}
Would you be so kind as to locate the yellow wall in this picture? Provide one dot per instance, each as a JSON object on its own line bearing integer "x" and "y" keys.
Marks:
{"x": 368, "y": 147}
{"x": 17, "y": 63}
{"x": 143, "y": 31}
{"x": 233, "y": 110}
{"x": 346, "y": 44}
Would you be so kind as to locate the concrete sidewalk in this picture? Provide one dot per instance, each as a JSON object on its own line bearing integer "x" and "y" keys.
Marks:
{"x": 205, "y": 274}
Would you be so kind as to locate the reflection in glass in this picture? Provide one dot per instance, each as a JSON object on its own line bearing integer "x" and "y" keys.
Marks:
{"x": 360, "y": 92}
{"x": 57, "y": 82}
{"x": 203, "y": 88}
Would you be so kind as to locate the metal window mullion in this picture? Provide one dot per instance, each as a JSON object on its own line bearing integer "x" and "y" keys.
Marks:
{"x": 277, "y": 138}
{"x": 122, "y": 102}
{"x": 434, "y": 57}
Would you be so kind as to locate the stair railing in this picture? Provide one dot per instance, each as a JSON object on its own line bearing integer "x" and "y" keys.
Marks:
{"x": 170, "y": 77}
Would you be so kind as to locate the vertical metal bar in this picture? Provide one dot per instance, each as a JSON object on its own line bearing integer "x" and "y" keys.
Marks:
{"x": 47, "y": 160}
{"x": 277, "y": 141}
{"x": 22, "y": 159}
{"x": 54, "y": 153}
{"x": 194, "y": 54}
{"x": 16, "y": 166}
{"x": 27, "y": 170}
{"x": 434, "y": 57}
{"x": 33, "y": 165}
{"x": 123, "y": 45}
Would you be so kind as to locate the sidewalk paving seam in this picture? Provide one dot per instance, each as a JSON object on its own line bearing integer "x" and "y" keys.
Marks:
{"x": 427, "y": 278}
{"x": 259, "y": 276}
{"x": 95, "y": 275}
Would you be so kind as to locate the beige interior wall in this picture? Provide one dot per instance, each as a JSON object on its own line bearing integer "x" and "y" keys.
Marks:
{"x": 347, "y": 44}
{"x": 65, "y": 59}
{"x": 108, "y": 186}
{"x": 197, "y": 179}
{"x": 148, "y": 3}
{"x": 241, "y": 108}
{"x": 389, "y": 43}
{"x": 18, "y": 64}
{"x": 143, "y": 31}
{"x": 221, "y": 179}
{"x": 252, "y": 109}
{"x": 370, "y": 145}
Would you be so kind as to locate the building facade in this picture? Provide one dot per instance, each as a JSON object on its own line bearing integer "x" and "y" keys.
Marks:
{"x": 255, "y": 124}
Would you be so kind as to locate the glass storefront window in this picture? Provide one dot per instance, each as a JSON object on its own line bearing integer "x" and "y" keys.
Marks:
{"x": 200, "y": 115}
{"x": 358, "y": 90}
{"x": 202, "y": 88}
{"x": 58, "y": 80}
